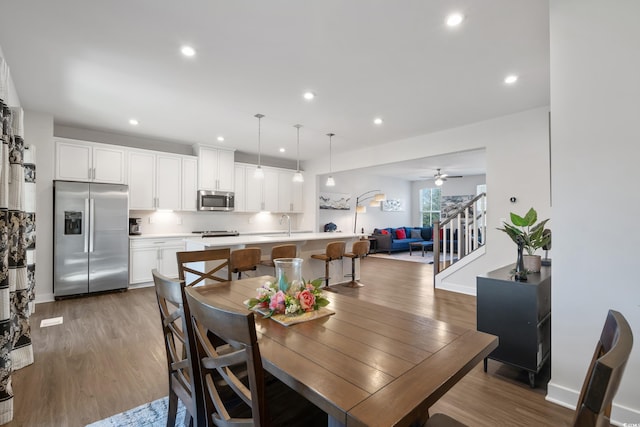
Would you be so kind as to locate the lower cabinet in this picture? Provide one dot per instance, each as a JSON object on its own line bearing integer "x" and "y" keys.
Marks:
{"x": 519, "y": 313}
{"x": 147, "y": 254}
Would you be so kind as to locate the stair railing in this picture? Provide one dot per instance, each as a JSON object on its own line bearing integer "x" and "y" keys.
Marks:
{"x": 464, "y": 231}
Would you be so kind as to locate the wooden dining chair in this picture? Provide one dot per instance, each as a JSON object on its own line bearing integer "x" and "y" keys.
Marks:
{"x": 359, "y": 250}
{"x": 184, "y": 380}
{"x": 601, "y": 382}
{"x": 257, "y": 402}
{"x": 280, "y": 251}
{"x": 205, "y": 265}
{"x": 246, "y": 259}
{"x": 333, "y": 251}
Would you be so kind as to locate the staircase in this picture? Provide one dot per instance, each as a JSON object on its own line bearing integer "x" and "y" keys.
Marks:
{"x": 461, "y": 233}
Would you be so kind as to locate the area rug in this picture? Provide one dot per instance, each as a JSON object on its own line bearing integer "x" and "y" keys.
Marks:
{"x": 153, "y": 414}
{"x": 415, "y": 257}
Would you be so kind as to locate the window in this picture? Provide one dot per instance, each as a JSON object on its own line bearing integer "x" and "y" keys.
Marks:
{"x": 429, "y": 205}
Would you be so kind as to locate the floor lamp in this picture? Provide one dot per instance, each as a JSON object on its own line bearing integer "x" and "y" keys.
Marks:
{"x": 375, "y": 198}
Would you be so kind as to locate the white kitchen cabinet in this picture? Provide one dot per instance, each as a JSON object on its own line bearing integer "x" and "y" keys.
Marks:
{"x": 147, "y": 254}
{"x": 270, "y": 190}
{"x": 261, "y": 194}
{"x": 89, "y": 161}
{"x": 215, "y": 168}
{"x": 189, "y": 183}
{"x": 239, "y": 188}
{"x": 155, "y": 180}
{"x": 289, "y": 192}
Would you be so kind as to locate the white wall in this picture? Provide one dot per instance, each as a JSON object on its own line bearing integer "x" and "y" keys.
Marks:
{"x": 517, "y": 156}
{"x": 357, "y": 183}
{"x": 595, "y": 134}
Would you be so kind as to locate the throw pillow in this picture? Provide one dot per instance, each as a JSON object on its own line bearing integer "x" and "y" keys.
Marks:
{"x": 401, "y": 234}
{"x": 384, "y": 232}
{"x": 415, "y": 234}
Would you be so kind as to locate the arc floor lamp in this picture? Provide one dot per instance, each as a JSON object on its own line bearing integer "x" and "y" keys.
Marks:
{"x": 375, "y": 197}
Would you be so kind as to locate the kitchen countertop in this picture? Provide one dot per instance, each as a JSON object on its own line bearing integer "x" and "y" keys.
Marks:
{"x": 270, "y": 238}
{"x": 197, "y": 236}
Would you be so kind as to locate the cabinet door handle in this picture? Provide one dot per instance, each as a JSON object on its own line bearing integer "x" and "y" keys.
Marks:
{"x": 90, "y": 173}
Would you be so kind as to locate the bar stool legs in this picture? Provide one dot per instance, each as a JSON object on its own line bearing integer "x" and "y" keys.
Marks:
{"x": 359, "y": 250}
{"x": 333, "y": 251}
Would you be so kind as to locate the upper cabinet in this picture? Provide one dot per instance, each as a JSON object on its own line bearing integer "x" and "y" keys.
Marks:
{"x": 276, "y": 192}
{"x": 89, "y": 161}
{"x": 161, "y": 181}
{"x": 215, "y": 168}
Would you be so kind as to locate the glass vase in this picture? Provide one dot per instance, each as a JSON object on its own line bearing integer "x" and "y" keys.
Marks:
{"x": 288, "y": 274}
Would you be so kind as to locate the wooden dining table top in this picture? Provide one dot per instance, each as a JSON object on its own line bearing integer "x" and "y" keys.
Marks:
{"x": 365, "y": 365}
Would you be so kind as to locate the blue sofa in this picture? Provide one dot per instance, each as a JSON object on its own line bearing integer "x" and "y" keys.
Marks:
{"x": 390, "y": 242}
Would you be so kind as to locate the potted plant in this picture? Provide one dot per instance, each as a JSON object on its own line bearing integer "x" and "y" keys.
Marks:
{"x": 532, "y": 235}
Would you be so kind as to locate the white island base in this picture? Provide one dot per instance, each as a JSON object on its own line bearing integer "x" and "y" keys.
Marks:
{"x": 307, "y": 243}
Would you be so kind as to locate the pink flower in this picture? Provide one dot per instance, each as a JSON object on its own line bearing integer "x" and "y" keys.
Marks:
{"x": 277, "y": 302}
{"x": 307, "y": 300}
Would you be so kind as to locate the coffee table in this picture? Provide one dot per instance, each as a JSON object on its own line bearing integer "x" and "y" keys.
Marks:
{"x": 424, "y": 246}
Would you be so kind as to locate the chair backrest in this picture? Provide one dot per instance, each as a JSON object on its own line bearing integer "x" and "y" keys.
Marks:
{"x": 239, "y": 330}
{"x": 360, "y": 248}
{"x": 203, "y": 265}
{"x": 284, "y": 251}
{"x": 335, "y": 250}
{"x": 179, "y": 344}
{"x": 245, "y": 259}
{"x": 605, "y": 372}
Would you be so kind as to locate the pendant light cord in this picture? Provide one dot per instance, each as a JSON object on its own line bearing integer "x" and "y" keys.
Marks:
{"x": 259, "y": 116}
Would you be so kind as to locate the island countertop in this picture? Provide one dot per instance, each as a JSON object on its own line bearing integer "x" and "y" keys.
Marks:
{"x": 242, "y": 240}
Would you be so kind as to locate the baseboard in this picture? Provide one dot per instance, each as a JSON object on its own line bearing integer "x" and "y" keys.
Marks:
{"x": 41, "y": 298}
{"x": 141, "y": 285}
{"x": 440, "y": 282}
{"x": 566, "y": 397}
{"x": 454, "y": 287}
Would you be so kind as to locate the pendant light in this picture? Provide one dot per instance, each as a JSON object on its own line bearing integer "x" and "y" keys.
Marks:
{"x": 297, "y": 177}
{"x": 259, "y": 173}
{"x": 330, "y": 181}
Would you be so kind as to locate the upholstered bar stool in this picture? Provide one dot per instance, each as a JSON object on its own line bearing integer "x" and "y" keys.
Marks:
{"x": 245, "y": 260}
{"x": 359, "y": 250}
{"x": 333, "y": 251}
{"x": 280, "y": 251}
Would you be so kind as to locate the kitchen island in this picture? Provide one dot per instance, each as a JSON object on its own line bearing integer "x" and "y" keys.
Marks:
{"x": 307, "y": 243}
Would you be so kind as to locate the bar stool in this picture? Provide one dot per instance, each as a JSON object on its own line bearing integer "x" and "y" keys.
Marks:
{"x": 359, "y": 250}
{"x": 333, "y": 251}
{"x": 280, "y": 251}
{"x": 244, "y": 260}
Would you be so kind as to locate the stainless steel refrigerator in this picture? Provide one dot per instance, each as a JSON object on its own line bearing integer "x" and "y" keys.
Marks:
{"x": 91, "y": 238}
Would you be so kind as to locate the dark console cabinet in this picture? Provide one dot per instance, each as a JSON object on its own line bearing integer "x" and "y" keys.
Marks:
{"x": 519, "y": 313}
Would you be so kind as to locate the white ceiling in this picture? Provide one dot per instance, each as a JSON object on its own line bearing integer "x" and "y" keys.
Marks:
{"x": 95, "y": 65}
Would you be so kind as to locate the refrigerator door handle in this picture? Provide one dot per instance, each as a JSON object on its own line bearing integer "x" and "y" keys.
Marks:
{"x": 86, "y": 232}
{"x": 92, "y": 226}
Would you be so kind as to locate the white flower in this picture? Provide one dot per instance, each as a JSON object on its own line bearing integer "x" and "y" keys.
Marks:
{"x": 292, "y": 308}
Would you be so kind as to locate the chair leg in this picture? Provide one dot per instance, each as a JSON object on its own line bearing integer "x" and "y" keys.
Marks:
{"x": 353, "y": 283}
{"x": 173, "y": 408}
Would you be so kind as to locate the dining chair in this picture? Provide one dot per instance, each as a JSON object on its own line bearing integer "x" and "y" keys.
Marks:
{"x": 601, "y": 382}
{"x": 246, "y": 259}
{"x": 333, "y": 251}
{"x": 280, "y": 251}
{"x": 200, "y": 266}
{"x": 184, "y": 380}
{"x": 257, "y": 402}
{"x": 359, "y": 250}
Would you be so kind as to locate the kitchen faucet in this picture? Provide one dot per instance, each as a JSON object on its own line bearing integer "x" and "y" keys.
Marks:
{"x": 288, "y": 218}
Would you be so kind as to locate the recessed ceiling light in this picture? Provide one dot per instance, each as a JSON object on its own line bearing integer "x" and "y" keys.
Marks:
{"x": 309, "y": 96}
{"x": 187, "y": 51}
{"x": 455, "y": 19}
{"x": 282, "y": 150}
{"x": 377, "y": 121}
{"x": 220, "y": 139}
{"x": 511, "y": 79}
{"x": 133, "y": 122}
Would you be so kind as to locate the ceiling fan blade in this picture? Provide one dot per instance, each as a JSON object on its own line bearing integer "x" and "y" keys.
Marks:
{"x": 455, "y": 176}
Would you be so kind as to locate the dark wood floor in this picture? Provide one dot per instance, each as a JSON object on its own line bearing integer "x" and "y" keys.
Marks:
{"x": 108, "y": 356}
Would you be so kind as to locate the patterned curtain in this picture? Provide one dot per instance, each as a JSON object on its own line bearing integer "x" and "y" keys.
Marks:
{"x": 17, "y": 253}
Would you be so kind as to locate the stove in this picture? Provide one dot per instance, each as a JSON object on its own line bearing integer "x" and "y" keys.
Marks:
{"x": 216, "y": 233}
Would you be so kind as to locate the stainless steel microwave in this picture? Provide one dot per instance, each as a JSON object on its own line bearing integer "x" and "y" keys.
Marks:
{"x": 215, "y": 200}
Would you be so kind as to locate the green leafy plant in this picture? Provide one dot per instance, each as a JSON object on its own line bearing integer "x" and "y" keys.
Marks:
{"x": 525, "y": 228}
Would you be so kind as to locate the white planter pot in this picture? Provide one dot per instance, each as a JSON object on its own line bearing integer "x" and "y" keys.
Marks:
{"x": 532, "y": 263}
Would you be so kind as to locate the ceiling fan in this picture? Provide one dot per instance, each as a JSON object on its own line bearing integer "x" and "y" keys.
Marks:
{"x": 440, "y": 178}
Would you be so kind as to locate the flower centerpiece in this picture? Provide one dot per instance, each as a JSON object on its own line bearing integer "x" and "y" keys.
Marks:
{"x": 298, "y": 298}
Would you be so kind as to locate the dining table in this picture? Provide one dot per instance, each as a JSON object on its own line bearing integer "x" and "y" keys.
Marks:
{"x": 365, "y": 364}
